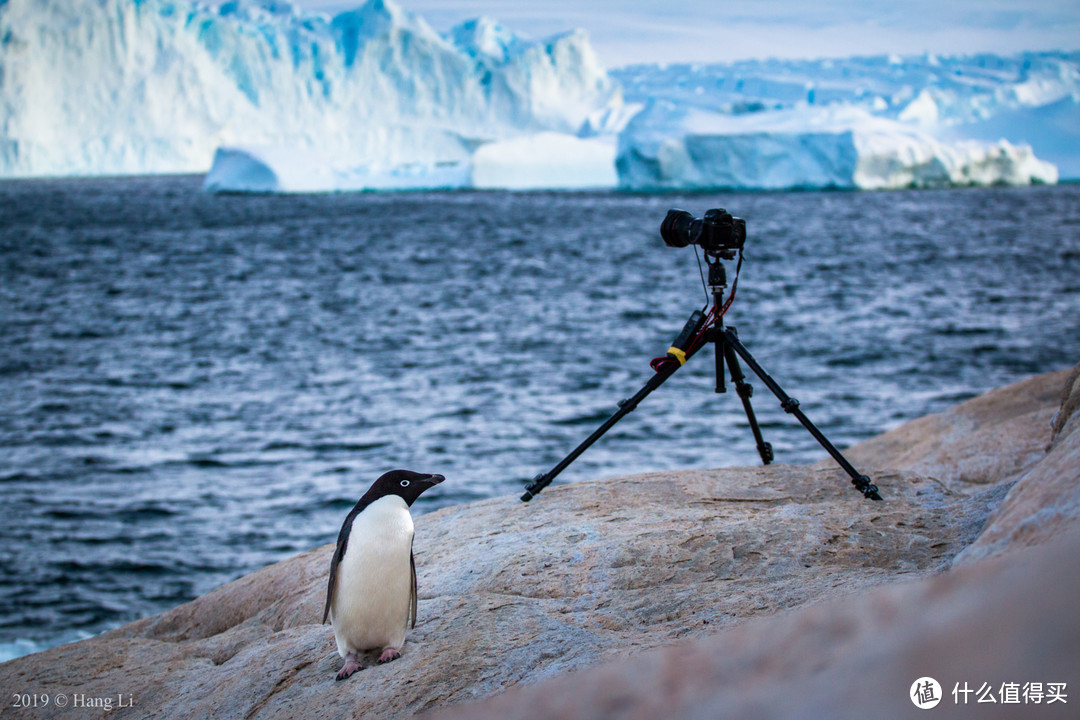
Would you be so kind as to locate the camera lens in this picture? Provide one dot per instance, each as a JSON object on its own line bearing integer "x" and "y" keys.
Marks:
{"x": 675, "y": 230}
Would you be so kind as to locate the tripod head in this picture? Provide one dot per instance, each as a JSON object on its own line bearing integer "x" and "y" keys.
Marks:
{"x": 717, "y": 276}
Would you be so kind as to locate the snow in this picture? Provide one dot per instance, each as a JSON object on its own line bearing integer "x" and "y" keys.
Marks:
{"x": 272, "y": 99}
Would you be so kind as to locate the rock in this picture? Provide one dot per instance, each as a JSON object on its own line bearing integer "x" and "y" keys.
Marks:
{"x": 1045, "y": 501}
{"x": 988, "y": 439}
{"x": 1010, "y": 620}
{"x": 514, "y": 594}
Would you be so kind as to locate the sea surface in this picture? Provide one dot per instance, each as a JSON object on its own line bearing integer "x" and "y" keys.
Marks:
{"x": 194, "y": 386}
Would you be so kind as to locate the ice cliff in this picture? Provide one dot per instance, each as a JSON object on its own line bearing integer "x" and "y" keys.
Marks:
{"x": 272, "y": 99}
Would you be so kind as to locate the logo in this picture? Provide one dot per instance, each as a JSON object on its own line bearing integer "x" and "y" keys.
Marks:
{"x": 925, "y": 693}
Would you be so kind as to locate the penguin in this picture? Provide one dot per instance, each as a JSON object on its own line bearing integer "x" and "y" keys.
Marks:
{"x": 371, "y": 595}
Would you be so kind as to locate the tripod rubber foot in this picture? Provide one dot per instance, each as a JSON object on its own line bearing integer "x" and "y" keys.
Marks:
{"x": 867, "y": 488}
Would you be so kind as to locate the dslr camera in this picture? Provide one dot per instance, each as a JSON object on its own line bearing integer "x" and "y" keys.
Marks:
{"x": 719, "y": 234}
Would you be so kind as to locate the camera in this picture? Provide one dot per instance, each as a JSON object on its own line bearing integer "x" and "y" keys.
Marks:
{"x": 718, "y": 233}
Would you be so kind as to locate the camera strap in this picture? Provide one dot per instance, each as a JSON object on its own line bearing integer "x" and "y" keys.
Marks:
{"x": 734, "y": 284}
{"x": 694, "y": 332}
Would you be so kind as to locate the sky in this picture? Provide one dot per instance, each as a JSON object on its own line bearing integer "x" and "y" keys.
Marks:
{"x": 631, "y": 31}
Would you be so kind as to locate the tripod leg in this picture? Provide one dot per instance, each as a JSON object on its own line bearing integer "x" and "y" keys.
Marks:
{"x": 861, "y": 482}
{"x": 626, "y": 406}
{"x": 745, "y": 391}
{"x": 718, "y": 339}
{"x": 681, "y": 345}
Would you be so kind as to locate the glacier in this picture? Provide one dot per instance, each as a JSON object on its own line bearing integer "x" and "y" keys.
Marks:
{"x": 263, "y": 97}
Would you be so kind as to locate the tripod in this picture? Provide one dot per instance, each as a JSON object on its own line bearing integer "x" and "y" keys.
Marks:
{"x": 700, "y": 330}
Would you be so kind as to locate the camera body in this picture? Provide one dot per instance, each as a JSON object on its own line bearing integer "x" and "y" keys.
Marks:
{"x": 718, "y": 233}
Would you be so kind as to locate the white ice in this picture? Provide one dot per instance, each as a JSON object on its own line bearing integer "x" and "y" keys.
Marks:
{"x": 265, "y": 98}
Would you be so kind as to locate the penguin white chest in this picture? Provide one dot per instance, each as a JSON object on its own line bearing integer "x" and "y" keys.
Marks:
{"x": 371, "y": 600}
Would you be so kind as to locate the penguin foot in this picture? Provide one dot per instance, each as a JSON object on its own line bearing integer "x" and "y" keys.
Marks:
{"x": 388, "y": 654}
{"x": 352, "y": 664}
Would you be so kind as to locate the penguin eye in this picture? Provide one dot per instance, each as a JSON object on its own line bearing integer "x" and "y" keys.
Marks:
{"x": 404, "y": 483}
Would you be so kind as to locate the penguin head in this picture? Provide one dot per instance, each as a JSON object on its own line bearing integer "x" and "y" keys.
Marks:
{"x": 405, "y": 483}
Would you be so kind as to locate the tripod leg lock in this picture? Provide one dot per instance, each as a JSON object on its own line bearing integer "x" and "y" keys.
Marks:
{"x": 745, "y": 390}
{"x": 790, "y": 405}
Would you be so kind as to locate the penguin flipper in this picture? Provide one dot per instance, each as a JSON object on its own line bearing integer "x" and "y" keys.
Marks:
{"x": 339, "y": 553}
{"x": 412, "y": 588}
{"x": 330, "y": 585}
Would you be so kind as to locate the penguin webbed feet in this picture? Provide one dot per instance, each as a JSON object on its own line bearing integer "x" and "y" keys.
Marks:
{"x": 352, "y": 664}
{"x": 388, "y": 655}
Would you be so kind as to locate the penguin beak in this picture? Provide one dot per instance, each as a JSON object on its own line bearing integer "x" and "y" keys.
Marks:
{"x": 434, "y": 479}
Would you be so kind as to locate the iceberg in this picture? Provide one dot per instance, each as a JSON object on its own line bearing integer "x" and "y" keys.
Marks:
{"x": 268, "y": 170}
{"x": 544, "y": 161}
{"x": 670, "y": 146}
{"x": 286, "y": 170}
{"x": 270, "y": 98}
{"x": 91, "y": 87}
{"x": 862, "y": 122}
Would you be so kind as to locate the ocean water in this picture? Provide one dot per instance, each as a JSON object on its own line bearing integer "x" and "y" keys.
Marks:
{"x": 194, "y": 386}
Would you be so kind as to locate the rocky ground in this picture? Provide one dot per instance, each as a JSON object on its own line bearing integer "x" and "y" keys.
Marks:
{"x": 756, "y": 592}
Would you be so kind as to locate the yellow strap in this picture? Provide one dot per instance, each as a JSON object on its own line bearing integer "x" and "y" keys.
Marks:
{"x": 678, "y": 354}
